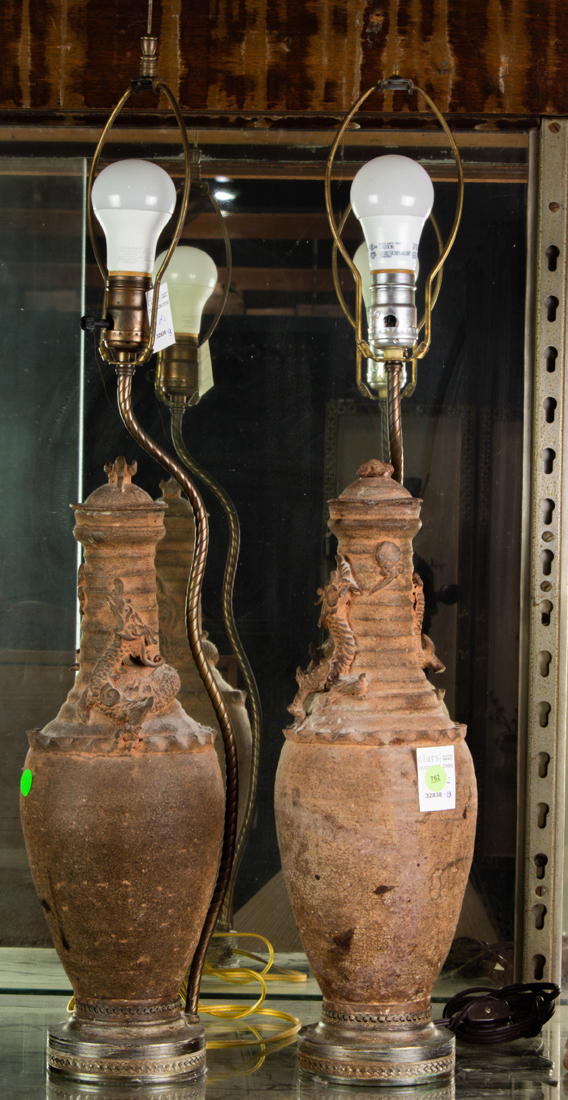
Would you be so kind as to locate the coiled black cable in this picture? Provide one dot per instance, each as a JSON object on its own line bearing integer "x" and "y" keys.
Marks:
{"x": 485, "y": 1015}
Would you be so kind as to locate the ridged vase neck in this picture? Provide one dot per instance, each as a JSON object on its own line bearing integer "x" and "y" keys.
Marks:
{"x": 367, "y": 680}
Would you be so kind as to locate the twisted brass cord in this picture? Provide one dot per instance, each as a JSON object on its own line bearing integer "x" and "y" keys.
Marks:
{"x": 234, "y": 640}
{"x": 395, "y": 424}
{"x": 124, "y": 372}
{"x": 384, "y": 429}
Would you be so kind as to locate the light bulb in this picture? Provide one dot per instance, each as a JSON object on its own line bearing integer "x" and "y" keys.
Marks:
{"x": 392, "y": 196}
{"x": 133, "y": 201}
{"x": 191, "y": 276}
{"x": 361, "y": 261}
{"x": 184, "y": 369}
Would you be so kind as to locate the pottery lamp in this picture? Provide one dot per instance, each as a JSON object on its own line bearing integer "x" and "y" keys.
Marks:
{"x": 126, "y": 806}
{"x": 375, "y": 805}
{"x": 123, "y": 814}
{"x": 375, "y": 791}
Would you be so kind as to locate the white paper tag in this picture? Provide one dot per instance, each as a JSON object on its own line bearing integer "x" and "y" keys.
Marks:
{"x": 165, "y": 334}
{"x": 436, "y": 778}
{"x": 205, "y": 368}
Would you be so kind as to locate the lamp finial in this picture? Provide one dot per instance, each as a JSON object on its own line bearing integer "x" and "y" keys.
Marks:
{"x": 120, "y": 472}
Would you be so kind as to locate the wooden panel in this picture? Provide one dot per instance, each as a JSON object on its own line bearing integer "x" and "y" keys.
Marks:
{"x": 495, "y": 57}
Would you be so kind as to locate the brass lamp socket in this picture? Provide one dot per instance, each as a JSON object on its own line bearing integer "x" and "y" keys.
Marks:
{"x": 149, "y": 56}
{"x": 126, "y": 305}
{"x": 178, "y": 372}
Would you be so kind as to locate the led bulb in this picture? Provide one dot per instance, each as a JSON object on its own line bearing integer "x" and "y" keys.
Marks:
{"x": 191, "y": 276}
{"x": 392, "y": 196}
{"x": 133, "y": 201}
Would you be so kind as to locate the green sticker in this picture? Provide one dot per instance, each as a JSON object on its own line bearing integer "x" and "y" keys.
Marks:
{"x": 26, "y": 782}
{"x": 435, "y": 778}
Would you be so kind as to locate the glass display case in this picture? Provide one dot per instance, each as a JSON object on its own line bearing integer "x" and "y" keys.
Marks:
{"x": 284, "y": 429}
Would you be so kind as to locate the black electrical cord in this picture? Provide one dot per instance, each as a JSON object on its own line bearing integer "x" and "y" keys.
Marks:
{"x": 485, "y": 1015}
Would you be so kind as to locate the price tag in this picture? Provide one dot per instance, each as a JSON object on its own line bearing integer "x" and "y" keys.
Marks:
{"x": 165, "y": 334}
{"x": 436, "y": 778}
{"x": 205, "y": 368}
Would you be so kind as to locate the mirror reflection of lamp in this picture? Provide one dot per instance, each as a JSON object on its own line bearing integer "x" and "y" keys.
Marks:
{"x": 191, "y": 279}
{"x": 376, "y": 376}
{"x": 133, "y": 201}
{"x": 392, "y": 197}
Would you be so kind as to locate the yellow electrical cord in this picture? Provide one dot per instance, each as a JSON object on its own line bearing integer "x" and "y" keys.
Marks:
{"x": 281, "y": 973}
{"x": 216, "y": 1073}
{"x": 242, "y": 975}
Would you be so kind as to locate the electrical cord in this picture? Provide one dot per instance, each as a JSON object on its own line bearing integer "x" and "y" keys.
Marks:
{"x": 242, "y": 976}
{"x": 253, "y": 696}
{"x": 486, "y": 1015}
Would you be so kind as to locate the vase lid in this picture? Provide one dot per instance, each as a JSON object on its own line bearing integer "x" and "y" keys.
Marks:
{"x": 119, "y": 494}
{"x": 178, "y": 505}
{"x": 375, "y": 483}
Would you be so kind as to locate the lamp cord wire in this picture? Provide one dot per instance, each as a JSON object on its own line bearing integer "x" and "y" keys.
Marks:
{"x": 234, "y": 640}
{"x": 486, "y": 1015}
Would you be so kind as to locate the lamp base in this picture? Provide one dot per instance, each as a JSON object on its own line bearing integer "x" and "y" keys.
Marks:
{"x": 64, "y": 1088}
{"x": 376, "y": 1055}
{"x": 144, "y": 1054}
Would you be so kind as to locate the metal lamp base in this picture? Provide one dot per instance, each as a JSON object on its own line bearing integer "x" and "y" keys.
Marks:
{"x": 379, "y": 1053}
{"x": 115, "y": 1054}
{"x": 64, "y": 1088}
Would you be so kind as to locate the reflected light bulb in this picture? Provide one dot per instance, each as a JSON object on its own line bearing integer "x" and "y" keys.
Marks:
{"x": 361, "y": 261}
{"x": 392, "y": 196}
{"x": 376, "y": 376}
{"x": 191, "y": 277}
{"x": 133, "y": 201}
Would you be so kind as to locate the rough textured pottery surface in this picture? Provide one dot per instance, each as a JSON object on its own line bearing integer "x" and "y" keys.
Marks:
{"x": 123, "y": 822}
{"x": 173, "y": 562}
{"x": 376, "y": 885}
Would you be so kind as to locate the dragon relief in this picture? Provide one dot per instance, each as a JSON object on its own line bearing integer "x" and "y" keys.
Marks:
{"x": 128, "y": 681}
{"x": 331, "y": 663}
{"x": 425, "y": 650}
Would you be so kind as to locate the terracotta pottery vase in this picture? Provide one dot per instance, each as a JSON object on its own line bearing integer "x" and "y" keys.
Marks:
{"x": 173, "y": 562}
{"x": 376, "y": 884}
{"x": 122, "y": 811}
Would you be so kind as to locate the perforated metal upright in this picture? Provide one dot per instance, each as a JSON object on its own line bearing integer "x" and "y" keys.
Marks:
{"x": 544, "y": 591}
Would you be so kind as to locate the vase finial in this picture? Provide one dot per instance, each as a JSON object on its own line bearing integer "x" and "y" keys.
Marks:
{"x": 374, "y": 468}
{"x": 171, "y": 489}
{"x": 120, "y": 472}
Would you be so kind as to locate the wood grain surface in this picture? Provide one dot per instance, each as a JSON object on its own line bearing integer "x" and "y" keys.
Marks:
{"x": 493, "y": 57}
